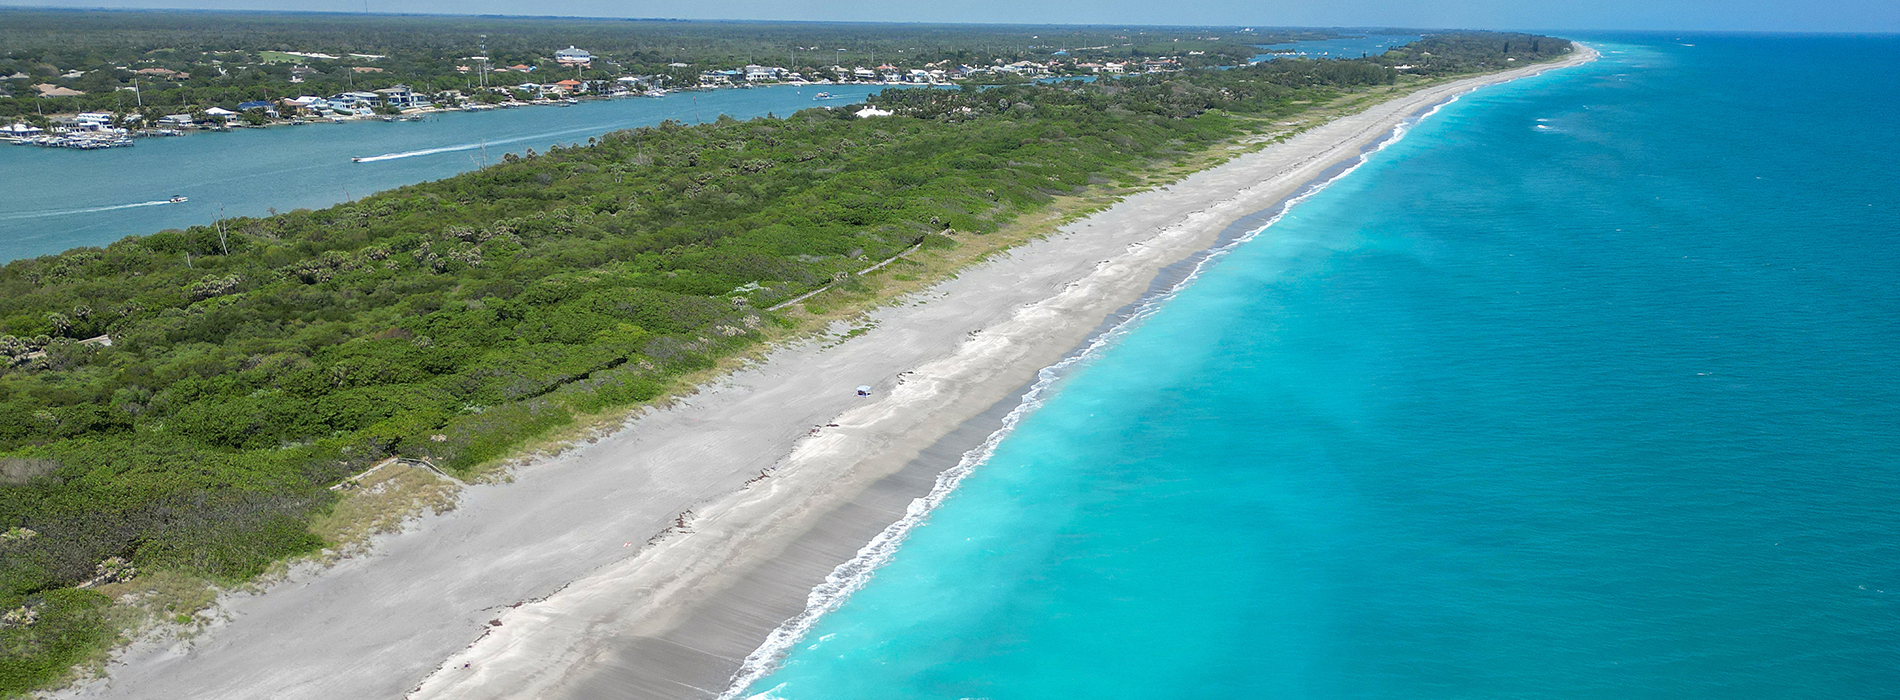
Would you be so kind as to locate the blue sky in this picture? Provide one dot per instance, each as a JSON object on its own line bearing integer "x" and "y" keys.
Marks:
{"x": 1725, "y": 15}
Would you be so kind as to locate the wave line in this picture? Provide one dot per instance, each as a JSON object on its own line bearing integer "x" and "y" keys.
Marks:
{"x": 851, "y": 576}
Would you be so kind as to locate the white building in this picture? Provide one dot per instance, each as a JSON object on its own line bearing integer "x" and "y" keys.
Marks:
{"x": 755, "y": 73}
{"x": 93, "y": 121}
{"x": 571, "y": 56}
{"x": 401, "y": 97}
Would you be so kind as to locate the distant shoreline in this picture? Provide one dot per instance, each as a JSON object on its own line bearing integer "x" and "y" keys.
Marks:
{"x": 230, "y": 125}
{"x": 679, "y": 619}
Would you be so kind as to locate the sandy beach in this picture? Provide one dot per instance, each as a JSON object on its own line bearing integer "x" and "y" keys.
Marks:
{"x": 556, "y": 586}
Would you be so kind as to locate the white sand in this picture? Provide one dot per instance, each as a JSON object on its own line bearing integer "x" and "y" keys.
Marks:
{"x": 675, "y": 619}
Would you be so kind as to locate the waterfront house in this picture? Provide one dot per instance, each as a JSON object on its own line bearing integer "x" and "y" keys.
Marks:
{"x": 755, "y": 73}
{"x": 569, "y": 86}
{"x": 270, "y": 110}
{"x": 93, "y": 121}
{"x": 355, "y": 101}
{"x": 401, "y": 97}
{"x": 20, "y": 130}
{"x": 176, "y": 120}
{"x": 306, "y": 103}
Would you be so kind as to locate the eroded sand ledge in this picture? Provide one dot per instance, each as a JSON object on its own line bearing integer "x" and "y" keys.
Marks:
{"x": 605, "y": 617}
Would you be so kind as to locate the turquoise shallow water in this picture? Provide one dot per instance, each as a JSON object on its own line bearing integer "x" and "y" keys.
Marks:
{"x": 57, "y": 199}
{"x": 1585, "y": 389}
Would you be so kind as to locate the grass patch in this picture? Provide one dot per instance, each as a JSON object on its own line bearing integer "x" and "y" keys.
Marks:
{"x": 381, "y": 503}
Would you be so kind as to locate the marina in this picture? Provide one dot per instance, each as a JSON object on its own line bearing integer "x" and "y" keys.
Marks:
{"x": 84, "y": 142}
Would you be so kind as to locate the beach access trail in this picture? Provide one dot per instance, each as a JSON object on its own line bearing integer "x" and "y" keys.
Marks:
{"x": 546, "y": 587}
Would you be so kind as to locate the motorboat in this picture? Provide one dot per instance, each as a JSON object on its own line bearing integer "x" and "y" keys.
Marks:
{"x": 179, "y": 199}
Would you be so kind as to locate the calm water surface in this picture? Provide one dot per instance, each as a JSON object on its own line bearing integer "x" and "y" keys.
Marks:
{"x": 1585, "y": 389}
{"x": 1343, "y": 47}
{"x": 57, "y": 199}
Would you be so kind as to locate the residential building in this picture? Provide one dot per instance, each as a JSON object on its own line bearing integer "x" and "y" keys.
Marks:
{"x": 93, "y": 121}
{"x": 572, "y": 56}
{"x": 401, "y": 97}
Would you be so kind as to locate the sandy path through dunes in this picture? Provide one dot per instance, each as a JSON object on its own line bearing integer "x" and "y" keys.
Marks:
{"x": 674, "y": 620}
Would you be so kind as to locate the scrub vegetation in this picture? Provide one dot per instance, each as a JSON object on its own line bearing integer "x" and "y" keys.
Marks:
{"x": 255, "y": 364}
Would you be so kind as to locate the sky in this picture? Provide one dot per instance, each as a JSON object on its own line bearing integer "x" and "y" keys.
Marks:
{"x": 1881, "y": 16}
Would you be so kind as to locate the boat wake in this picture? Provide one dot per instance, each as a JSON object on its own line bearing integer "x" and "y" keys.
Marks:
{"x": 480, "y": 144}
{"x": 88, "y": 210}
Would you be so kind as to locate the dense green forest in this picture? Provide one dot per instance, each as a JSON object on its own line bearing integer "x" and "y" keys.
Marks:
{"x": 255, "y": 363}
{"x": 233, "y": 57}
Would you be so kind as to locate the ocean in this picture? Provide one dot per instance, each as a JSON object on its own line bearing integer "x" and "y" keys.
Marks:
{"x": 1584, "y": 388}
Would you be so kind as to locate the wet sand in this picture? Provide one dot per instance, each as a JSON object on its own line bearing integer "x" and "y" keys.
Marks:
{"x": 546, "y": 587}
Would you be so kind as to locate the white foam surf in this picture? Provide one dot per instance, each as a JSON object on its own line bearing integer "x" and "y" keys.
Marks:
{"x": 851, "y": 576}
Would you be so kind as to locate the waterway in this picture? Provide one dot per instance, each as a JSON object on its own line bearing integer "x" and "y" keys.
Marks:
{"x": 58, "y": 199}
{"x": 1342, "y": 47}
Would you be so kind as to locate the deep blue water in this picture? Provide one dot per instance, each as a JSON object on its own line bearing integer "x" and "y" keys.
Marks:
{"x": 1584, "y": 389}
{"x": 57, "y": 199}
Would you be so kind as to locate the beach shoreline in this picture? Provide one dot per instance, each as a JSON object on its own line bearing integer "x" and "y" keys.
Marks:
{"x": 551, "y": 587}
{"x": 688, "y": 613}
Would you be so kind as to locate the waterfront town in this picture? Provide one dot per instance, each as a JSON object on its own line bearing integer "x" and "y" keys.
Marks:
{"x": 562, "y": 77}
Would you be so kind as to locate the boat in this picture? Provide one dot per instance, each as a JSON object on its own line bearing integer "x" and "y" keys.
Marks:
{"x": 179, "y": 199}
{"x": 356, "y": 159}
{"x": 822, "y": 96}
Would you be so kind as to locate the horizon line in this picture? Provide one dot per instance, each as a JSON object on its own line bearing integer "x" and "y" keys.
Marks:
{"x": 338, "y": 13}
